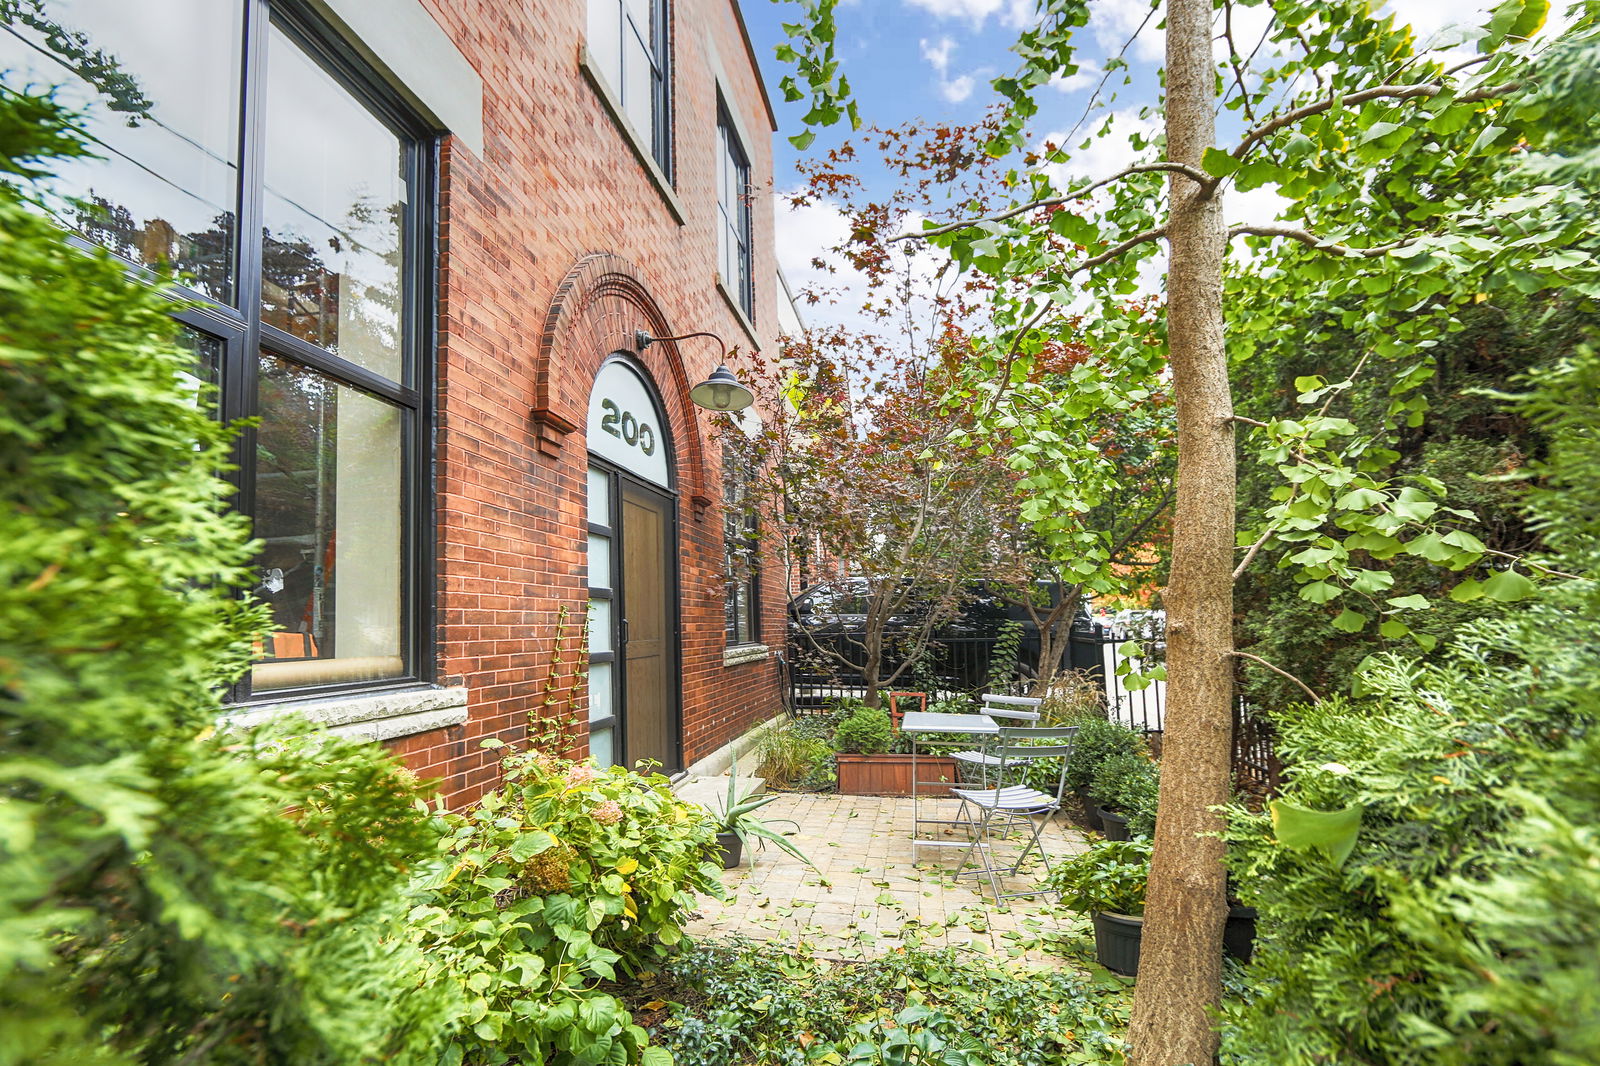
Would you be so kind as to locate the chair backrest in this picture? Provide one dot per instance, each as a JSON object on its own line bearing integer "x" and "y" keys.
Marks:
{"x": 1012, "y": 708}
{"x": 1017, "y": 746}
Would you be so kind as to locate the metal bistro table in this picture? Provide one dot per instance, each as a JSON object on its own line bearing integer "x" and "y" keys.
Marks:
{"x": 934, "y": 729}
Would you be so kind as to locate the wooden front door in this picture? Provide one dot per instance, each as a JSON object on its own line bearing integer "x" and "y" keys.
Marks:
{"x": 649, "y": 648}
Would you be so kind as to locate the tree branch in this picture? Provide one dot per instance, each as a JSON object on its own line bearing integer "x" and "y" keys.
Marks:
{"x": 1281, "y": 673}
{"x": 1154, "y": 234}
{"x": 1377, "y": 92}
{"x": 1193, "y": 173}
{"x": 1245, "y": 421}
{"x": 1311, "y": 240}
{"x": 1530, "y": 563}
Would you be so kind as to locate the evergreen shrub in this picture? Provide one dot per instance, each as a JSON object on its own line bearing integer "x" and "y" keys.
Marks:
{"x": 169, "y": 891}
{"x": 866, "y": 732}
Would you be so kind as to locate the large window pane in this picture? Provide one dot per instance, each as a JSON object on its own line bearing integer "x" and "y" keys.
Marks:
{"x": 605, "y": 36}
{"x": 637, "y": 98}
{"x": 158, "y": 83}
{"x": 334, "y": 207}
{"x": 328, "y": 510}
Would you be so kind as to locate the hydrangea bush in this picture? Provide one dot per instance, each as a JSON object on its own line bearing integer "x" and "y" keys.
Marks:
{"x": 565, "y": 879}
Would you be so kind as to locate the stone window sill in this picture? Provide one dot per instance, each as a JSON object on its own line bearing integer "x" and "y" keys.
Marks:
{"x": 739, "y": 654}
{"x": 371, "y": 716}
{"x": 637, "y": 141}
{"x": 738, "y": 312}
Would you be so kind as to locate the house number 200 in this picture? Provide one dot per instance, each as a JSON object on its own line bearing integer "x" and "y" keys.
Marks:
{"x": 622, "y": 424}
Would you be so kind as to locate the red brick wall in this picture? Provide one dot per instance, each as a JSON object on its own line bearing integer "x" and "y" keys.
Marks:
{"x": 555, "y": 246}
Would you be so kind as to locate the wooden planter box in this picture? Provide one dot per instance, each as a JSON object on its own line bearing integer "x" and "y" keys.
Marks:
{"x": 890, "y": 775}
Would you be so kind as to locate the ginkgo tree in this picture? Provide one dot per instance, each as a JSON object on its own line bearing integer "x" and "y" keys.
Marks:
{"x": 1393, "y": 160}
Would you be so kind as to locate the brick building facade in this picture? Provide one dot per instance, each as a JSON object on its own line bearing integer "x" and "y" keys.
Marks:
{"x": 439, "y": 520}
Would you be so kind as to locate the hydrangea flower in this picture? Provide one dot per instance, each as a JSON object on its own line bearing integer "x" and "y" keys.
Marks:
{"x": 607, "y": 813}
{"x": 580, "y": 775}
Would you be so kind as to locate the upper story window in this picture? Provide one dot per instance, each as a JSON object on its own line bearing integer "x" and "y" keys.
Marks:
{"x": 311, "y": 275}
{"x": 734, "y": 215}
{"x": 628, "y": 40}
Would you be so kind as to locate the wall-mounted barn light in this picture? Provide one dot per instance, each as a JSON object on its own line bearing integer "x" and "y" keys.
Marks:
{"x": 721, "y": 392}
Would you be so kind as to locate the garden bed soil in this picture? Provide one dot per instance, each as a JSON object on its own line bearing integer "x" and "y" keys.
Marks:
{"x": 890, "y": 775}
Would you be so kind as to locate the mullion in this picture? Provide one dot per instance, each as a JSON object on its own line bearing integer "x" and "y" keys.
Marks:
{"x": 341, "y": 370}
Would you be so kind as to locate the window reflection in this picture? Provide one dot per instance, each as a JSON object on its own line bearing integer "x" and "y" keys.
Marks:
{"x": 334, "y": 208}
{"x": 328, "y": 513}
{"x": 158, "y": 84}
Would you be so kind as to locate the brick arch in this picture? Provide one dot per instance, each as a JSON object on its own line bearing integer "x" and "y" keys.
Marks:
{"x": 595, "y": 311}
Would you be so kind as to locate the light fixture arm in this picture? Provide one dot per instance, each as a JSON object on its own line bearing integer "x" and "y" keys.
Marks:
{"x": 643, "y": 340}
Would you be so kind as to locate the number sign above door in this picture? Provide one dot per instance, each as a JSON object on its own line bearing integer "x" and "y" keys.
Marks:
{"x": 625, "y": 426}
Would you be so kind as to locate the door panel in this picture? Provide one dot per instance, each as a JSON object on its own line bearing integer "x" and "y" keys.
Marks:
{"x": 649, "y": 721}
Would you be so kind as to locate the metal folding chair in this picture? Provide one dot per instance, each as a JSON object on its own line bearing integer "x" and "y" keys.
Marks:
{"x": 1000, "y": 710}
{"x": 1003, "y": 807}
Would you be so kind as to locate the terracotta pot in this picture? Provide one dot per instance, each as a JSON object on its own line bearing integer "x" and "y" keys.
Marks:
{"x": 890, "y": 775}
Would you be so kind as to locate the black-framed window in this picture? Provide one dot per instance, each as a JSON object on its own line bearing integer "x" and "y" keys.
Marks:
{"x": 248, "y": 155}
{"x": 629, "y": 42}
{"x": 741, "y": 536}
{"x": 734, "y": 230}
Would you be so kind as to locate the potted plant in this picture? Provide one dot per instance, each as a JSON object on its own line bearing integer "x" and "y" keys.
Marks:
{"x": 737, "y": 826}
{"x": 1098, "y": 739}
{"x": 1125, "y": 787}
{"x": 1107, "y": 882}
{"x": 867, "y": 767}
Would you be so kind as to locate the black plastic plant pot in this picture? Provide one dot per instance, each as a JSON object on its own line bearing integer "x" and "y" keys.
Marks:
{"x": 1112, "y": 824}
{"x": 1239, "y": 934}
{"x": 732, "y": 849}
{"x": 1116, "y": 942}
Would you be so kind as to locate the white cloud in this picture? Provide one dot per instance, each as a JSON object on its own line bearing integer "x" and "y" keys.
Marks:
{"x": 937, "y": 53}
{"x": 1113, "y": 22}
{"x": 1105, "y": 155}
{"x": 1088, "y": 74}
{"x": 1012, "y": 13}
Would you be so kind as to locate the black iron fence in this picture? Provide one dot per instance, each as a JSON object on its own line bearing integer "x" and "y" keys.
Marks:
{"x": 960, "y": 664}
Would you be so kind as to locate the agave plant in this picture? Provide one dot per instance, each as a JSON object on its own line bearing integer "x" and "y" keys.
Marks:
{"x": 737, "y": 816}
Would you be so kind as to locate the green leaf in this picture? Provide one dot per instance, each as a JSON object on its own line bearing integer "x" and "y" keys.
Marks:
{"x": 1394, "y": 629}
{"x": 1350, "y": 621}
{"x": 655, "y": 1055}
{"x": 1331, "y": 832}
{"x": 1409, "y": 603}
{"x": 530, "y": 844}
{"x": 1320, "y": 592}
{"x": 1508, "y": 585}
{"x": 1217, "y": 163}
{"x": 803, "y": 139}
{"x": 1467, "y": 591}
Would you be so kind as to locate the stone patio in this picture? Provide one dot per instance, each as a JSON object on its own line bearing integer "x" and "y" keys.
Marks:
{"x": 865, "y": 896}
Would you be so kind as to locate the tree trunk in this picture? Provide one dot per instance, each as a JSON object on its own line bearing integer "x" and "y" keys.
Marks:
{"x": 1180, "y": 962}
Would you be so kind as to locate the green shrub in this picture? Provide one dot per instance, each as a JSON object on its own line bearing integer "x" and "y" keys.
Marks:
{"x": 565, "y": 877}
{"x": 1128, "y": 784}
{"x": 1099, "y": 739}
{"x": 1075, "y": 696}
{"x": 866, "y": 732}
{"x": 1111, "y": 875}
{"x": 789, "y": 759}
{"x": 168, "y": 893}
{"x": 739, "y": 1003}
